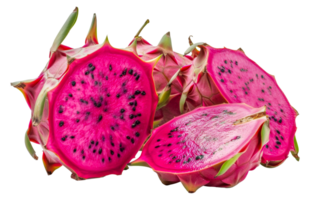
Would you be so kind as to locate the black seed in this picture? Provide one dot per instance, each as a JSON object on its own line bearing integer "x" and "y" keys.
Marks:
{"x": 179, "y": 136}
{"x": 277, "y": 138}
{"x": 105, "y": 110}
{"x": 87, "y": 72}
{"x": 189, "y": 159}
{"x": 94, "y": 151}
{"x": 131, "y": 116}
{"x": 111, "y": 152}
{"x": 66, "y": 98}
{"x": 112, "y": 144}
{"x": 122, "y": 110}
{"x": 128, "y": 137}
{"x": 92, "y": 76}
{"x": 137, "y": 77}
{"x": 112, "y": 128}
{"x": 102, "y": 160}
{"x": 131, "y": 97}
{"x": 220, "y": 73}
{"x": 118, "y": 155}
{"x": 73, "y": 83}
{"x": 225, "y": 61}
{"x": 92, "y": 142}
{"x": 89, "y": 146}
{"x": 178, "y": 160}
{"x": 158, "y": 140}
{"x": 60, "y": 110}
{"x": 109, "y": 159}
{"x": 262, "y": 76}
{"x": 246, "y": 92}
{"x": 222, "y": 70}
{"x": 106, "y": 78}
{"x": 74, "y": 150}
{"x": 110, "y": 67}
{"x": 137, "y": 134}
{"x": 263, "y": 91}
{"x": 143, "y": 93}
{"x": 270, "y": 87}
{"x": 100, "y": 151}
{"x": 139, "y": 114}
{"x": 87, "y": 113}
{"x": 131, "y": 103}
{"x": 136, "y": 103}
{"x": 118, "y": 95}
{"x": 72, "y": 137}
{"x": 229, "y": 71}
{"x": 267, "y": 146}
{"x": 169, "y": 144}
{"x": 174, "y": 157}
{"x": 137, "y": 122}
{"x": 231, "y": 91}
{"x": 70, "y": 95}
{"x": 276, "y": 146}
{"x": 282, "y": 137}
{"x": 171, "y": 136}
{"x": 132, "y": 140}
{"x": 122, "y": 149}
{"x": 103, "y": 138}
{"x": 281, "y": 110}
{"x": 108, "y": 95}
{"x": 133, "y": 125}
{"x": 124, "y": 72}
{"x": 92, "y": 68}
{"x": 160, "y": 155}
{"x": 135, "y": 74}
{"x": 96, "y": 82}
{"x": 61, "y": 123}
{"x": 236, "y": 63}
{"x": 278, "y": 143}
{"x": 82, "y": 151}
{"x": 99, "y": 118}
{"x": 122, "y": 117}
{"x": 222, "y": 80}
{"x": 130, "y": 71}
{"x": 134, "y": 109}
{"x": 280, "y": 120}
{"x": 83, "y": 157}
{"x": 199, "y": 157}
{"x": 64, "y": 138}
{"x": 137, "y": 92}
{"x": 97, "y": 143}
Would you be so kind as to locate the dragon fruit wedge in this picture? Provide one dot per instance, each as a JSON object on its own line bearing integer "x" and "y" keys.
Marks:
{"x": 211, "y": 146}
{"x": 92, "y": 107}
{"x": 241, "y": 80}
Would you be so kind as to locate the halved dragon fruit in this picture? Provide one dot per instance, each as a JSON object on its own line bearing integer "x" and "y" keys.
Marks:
{"x": 211, "y": 146}
{"x": 241, "y": 80}
{"x": 92, "y": 107}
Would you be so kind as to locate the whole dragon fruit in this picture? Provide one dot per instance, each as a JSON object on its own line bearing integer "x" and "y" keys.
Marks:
{"x": 92, "y": 107}
{"x": 166, "y": 85}
{"x": 241, "y": 80}
{"x": 211, "y": 146}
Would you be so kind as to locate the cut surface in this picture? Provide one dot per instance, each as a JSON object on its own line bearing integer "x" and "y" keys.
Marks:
{"x": 201, "y": 138}
{"x": 102, "y": 112}
{"x": 239, "y": 79}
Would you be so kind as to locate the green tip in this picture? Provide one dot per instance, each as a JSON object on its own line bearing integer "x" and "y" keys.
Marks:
{"x": 145, "y": 23}
{"x": 106, "y": 41}
{"x": 65, "y": 29}
{"x": 92, "y": 33}
{"x": 29, "y": 147}
{"x": 165, "y": 42}
{"x": 192, "y": 47}
{"x": 227, "y": 164}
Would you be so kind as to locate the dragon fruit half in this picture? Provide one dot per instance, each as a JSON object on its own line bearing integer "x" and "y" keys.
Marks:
{"x": 92, "y": 107}
{"x": 241, "y": 80}
{"x": 212, "y": 146}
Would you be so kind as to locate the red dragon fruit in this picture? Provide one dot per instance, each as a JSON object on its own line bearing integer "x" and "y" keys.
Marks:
{"x": 211, "y": 146}
{"x": 92, "y": 107}
{"x": 166, "y": 85}
{"x": 240, "y": 79}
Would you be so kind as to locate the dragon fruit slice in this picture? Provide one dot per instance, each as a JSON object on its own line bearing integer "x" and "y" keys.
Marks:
{"x": 212, "y": 146}
{"x": 240, "y": 79}
{"x": 92, "y": 107}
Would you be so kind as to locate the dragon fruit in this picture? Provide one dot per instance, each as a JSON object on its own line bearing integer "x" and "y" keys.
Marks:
{"x": 211, "y": 146}
{"x": 240, "y": 79}
{"x": 92, "y": 107}
{"x": 166, "y": 85}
